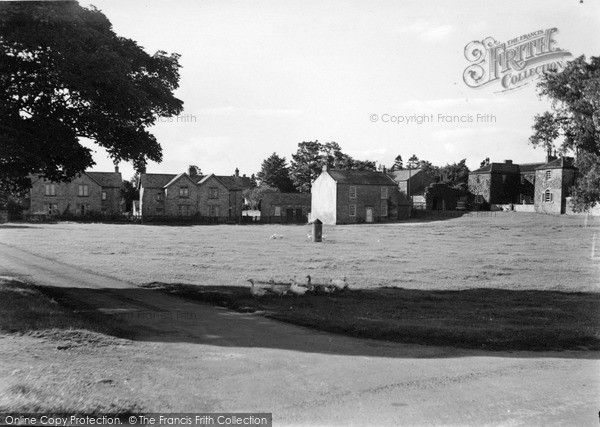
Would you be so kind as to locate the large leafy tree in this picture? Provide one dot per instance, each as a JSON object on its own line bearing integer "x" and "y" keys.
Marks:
{"x": 65, "y": 75}
{"x": 275, "y": 173}
{"x": 573, "y": 125}
{"x": 308, "y": 161}
{"x": 456, "y": 175}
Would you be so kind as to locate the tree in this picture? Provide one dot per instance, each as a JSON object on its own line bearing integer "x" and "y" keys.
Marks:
{"x": 575, "y": 121}
{"x": 413, "y": 162}
{"x": 130, "y": 192}
{"x": 275, "y": 173}
{"x": 65, "y": 75}
{"x": 307, "y": 163}
{"x": 255, "y": 195}
{"x": 398, "y": 164}
{"x": 455, "y": 175}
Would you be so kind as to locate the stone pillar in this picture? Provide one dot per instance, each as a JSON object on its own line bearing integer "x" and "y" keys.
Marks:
{"x": 317, "y": 230}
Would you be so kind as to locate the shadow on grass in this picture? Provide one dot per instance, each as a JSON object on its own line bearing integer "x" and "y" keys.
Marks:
{"x": 481, "y": 319}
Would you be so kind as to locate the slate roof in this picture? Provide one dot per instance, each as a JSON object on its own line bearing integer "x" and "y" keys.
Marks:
{"x": 404, "y": 174}
{"x": 177, "y": 177}
{"x": 498, "y": 167}
{"x": 529, "y": 167}
{"x": 106, "y": 179}
{"x": 235, "y": 182}
{"x": 155, "y": 180}
{"x": 353, "y": 177}
{"x": 561, "y": 162}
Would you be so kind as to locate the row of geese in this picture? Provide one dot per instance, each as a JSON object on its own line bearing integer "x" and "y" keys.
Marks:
{"x": 280, "y": 289}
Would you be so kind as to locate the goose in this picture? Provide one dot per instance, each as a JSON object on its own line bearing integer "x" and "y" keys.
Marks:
{"x": 278, "y": 288}
{"x": 256, "y": 292}
{"x": 297, "y": 289}
{"x": 339, "y": 284}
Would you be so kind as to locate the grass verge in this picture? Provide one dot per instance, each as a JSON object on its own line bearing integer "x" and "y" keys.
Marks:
{"x": 491, "y": 319}
{"x": 29, "y": 312}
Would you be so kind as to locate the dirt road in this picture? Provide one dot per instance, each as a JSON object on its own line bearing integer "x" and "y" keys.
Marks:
{"x": 195, "y": 357}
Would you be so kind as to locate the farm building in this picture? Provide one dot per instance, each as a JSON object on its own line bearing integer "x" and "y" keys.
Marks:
{"x": 189, "y": 194}
{"x": 285, "y": 207}
{"x": 412, "y": 184}
{"x": 442, "y": 197}
{"x": 534, "y": 187}
{"x": 552, "y": 183}
{"x": 88, "y": 193}
{"x": 349, "y": 196}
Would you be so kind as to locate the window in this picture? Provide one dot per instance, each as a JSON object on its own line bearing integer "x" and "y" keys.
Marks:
{"x": 384, "y": 208}
{"x": 213, "y": 193}
{"x": 104, "y": 195}
{"x": 83, "y": 190}
{"x": 184, "y": 192}
{"x": 183, "y": 210}
{"x": 159, "y": 197}
{"x": 277, "y": 210}
{"x": 50, "y": 190}
{"x": 213, "y": 211}
{"x": 353, "y": 192}
{"x": 52, "y": 208}
{"x": 548, "y": 174}
{"x": 479, "y": 199}
{"x": 547, "y": 196}
{"x": 384, "y": 193}
{"x": 352, "y": 209}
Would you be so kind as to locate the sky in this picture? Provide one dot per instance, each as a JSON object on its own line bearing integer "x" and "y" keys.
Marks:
{"x": 380, "y": 78}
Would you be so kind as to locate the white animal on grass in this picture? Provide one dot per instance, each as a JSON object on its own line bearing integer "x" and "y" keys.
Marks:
{"x": 276, "y": 236}
{"x": 255, "y": 291}
{"x": 339, "y": 284}
{"x": 297, "y": 289}
{"x": 278, "y": 288}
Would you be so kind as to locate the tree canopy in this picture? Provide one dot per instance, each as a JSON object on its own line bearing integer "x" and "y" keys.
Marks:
{"x": 275, "y": 173}
{"x": 574, "y": 123}
{"x": 65, "y": 75}
{"x": 308, "y": 162}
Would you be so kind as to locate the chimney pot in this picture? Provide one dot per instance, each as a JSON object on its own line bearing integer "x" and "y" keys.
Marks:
{"x": 237, "y": 172}
{"x": 116, "y": 168}
{"x": 508, "y": 162}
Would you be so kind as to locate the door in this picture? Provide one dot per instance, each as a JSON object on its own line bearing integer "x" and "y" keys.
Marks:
{"x": 369, "y": 214}
{"x": 289, "y": 215}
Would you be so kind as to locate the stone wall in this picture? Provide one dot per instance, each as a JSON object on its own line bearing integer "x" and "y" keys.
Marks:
{"x": 206, "y": 201}
{"x": 66, "y": 198}
{"x": 177, "y": 204}
{"x": 367, "y": 196}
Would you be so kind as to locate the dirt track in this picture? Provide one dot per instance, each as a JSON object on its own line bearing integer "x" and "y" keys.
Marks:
{"x": 210, "y": 359}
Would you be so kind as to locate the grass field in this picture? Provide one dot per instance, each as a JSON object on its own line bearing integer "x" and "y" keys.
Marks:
{"x": 509, "y": 251}
{"x": 513, "y": 281}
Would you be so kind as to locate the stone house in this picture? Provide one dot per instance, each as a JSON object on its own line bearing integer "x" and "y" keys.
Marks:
{"x": 88, "y": 193}
{"x": 349, "y": 196}
{"x": 553, "y": 182}
{"x": 412, "y": 184}
{"x": 188, "y": 195}
{"x": 538, "y": 187}
{"x": 285, "y": 207}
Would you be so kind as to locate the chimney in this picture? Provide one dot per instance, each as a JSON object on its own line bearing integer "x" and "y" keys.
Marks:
{"x": 325, "y": 167}
{"x": 192, "y": 171}
{"x": 508, "y": 162}
{"x": 383, "y": 169}
{"x": 116, "y": 168}
{"x": 549, "y": 156}
{"x": 237, "y": 173}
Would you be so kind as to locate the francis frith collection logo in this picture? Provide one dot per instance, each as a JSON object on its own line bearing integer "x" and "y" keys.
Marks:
{"x": 514, "y": 63}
